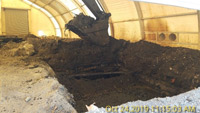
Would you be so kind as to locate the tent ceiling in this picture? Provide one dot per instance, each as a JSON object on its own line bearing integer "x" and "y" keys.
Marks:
{"x": 66, "y": 9}
{"x": 126, "y": 12}
{"x": 58, "y": 7}
{"x": 191, "y": 4}
{"x": 60, "y": 11}
{"x": 55, "y": 7}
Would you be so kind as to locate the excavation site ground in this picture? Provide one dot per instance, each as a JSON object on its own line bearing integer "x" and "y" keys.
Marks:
{"x": 110, "y": 75}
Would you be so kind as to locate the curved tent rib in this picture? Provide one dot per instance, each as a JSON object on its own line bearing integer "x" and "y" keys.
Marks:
{"x": 60, "y": 11}
{"x": 53, "y": 20}
{"x": 190, "y": 4}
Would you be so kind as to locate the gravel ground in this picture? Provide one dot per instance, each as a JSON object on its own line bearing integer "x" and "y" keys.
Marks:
{"x": 28, "y": 88}
{"x": 188, "y": 102}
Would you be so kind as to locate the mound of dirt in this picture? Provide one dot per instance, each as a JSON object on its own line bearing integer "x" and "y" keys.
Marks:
{"x": 177, "y": 66}
{"x": 119, "y": 72}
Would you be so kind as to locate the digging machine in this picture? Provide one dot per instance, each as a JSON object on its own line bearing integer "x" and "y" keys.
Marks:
{"x": 90, "y": 29}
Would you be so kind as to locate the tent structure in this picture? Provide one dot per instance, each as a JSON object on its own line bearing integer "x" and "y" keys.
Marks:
{"x": 164, "y": 22}
{"x": 191, "y": 4}
{"x": 51, "y": 72}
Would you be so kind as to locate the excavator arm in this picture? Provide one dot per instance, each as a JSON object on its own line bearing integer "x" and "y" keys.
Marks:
{"x": 94, "y": 8}
{"x": 90, "y": 29}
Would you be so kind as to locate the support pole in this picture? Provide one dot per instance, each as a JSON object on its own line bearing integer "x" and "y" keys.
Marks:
{"x": 198, "y": 13}
{"x": 0, "y": 19}
{"x": 140, "y": 17}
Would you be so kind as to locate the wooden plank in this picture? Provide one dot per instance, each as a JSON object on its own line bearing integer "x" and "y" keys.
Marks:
{"x": 95, "y": 75}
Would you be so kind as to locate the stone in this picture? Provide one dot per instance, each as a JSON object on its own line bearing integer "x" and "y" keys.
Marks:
{"x": 28, "y": 99}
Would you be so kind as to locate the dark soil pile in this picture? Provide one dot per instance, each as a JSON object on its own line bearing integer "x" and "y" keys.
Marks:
{"x": 119, "y": 72}
{"x": 178, "y": 66}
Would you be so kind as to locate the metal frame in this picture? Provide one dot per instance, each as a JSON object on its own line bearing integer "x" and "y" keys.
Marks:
{"x": 0, "y": 27}
{"x": 198, "y": 13}
{"x": 169, "y": 16}
{"x": 140, "y": 19}
{"x": 48, "y": 17}
{"x": 59, "y": 14}
{"x": 79, "y": 5}
{"x": 149, "y": 18}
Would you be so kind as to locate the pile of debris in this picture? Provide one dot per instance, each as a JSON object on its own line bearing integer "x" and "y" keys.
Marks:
{"x": 99, "y": 74}
{"x": 94, "y": 31}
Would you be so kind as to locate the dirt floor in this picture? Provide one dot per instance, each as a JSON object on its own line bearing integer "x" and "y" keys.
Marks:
{"x": 113, "y": 74}
{"x": 29, "y": 87}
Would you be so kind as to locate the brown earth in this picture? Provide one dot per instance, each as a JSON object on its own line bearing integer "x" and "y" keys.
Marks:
{"x": 113, "y": 74}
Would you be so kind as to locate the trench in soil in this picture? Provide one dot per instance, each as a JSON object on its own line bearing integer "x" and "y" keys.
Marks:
{"x": 123, "y": 71}
{"x": 109, "y": 89}
{"x": 120, "y": 72}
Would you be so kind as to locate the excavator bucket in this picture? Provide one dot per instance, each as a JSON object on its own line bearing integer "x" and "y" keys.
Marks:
{"x": 90, "y": 29}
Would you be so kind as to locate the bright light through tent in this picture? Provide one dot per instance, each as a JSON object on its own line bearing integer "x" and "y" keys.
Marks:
{"x": 76, "y": 12}
{"x": 55, "y": 23}
{"x": 109, "y": 30}
{"x": 58, "y": 33}
{"x": 191, "y": 4}
{"x": 99, "y": 5}
{"x": 28, "y": 2}
{"x": 41, "y": 33}
{"x": 36, "y": 6}
{"x": 69, "y": 4}
{"x": 89, "y": 12}
{"x": 81, "y": 2}
{"x": 46, "y": 12}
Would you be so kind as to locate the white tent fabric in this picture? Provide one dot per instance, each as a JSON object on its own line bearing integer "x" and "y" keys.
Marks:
{"x": 54, "y": 21}
{"x": 190, "y": 4}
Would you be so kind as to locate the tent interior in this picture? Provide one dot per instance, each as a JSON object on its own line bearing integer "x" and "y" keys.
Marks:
{"x": 158, "y": 41}
{"x": 163, "y": 24}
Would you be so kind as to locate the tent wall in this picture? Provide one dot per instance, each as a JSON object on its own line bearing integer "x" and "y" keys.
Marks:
{"x": 134, "y": 21}
{"x": 0, "y": 20}
{"x": 37, "y": 19}
{"x": 167, "y": 20}
{"x": 125, "y": 20}
{"x": 63, "y": 11}
{"x": 40, "y": 21}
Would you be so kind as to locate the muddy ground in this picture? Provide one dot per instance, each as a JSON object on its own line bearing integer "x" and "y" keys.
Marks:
{"x": 113, "y": 74}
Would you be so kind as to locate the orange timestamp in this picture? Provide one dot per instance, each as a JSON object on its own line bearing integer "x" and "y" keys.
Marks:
{"x": 143, "y": 109}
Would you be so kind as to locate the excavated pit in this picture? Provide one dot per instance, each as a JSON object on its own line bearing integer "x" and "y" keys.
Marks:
{"x": 117, "y": 73}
